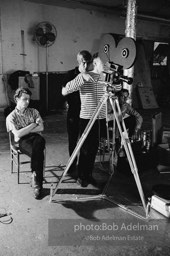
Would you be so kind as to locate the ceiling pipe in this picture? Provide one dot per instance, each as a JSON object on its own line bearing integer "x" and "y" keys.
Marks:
{"x": 96, "y": 7}
{"x": 149, "y": 18}
{"x": 153, "y": 18}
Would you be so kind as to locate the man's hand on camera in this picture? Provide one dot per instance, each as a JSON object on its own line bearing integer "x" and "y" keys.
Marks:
{"x": 107, "y": 67}
{"x": 87, "y": 77}
{"x": 118, "y": 87}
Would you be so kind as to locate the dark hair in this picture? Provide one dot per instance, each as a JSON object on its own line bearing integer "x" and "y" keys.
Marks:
{"x": 95, "y": 55}
{"x": 20, "y": 91}
{"x": 86, "y": 55}
{"x": 120, "y": 93}
{"x": 124, "y": 90}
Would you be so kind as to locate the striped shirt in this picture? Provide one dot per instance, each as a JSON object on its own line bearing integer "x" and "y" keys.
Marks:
{"x": 91, "y": 93}
{"x": 17, "y": 119}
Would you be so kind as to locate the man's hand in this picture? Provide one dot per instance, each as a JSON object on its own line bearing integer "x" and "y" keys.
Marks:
{"x": 87, "y": 77}
{"x": 136, "y": 134}
{"x": 64, "y": 91}
{"x": 38, "y": 121}
{"x": 82, "y": 67}
{"x": 32, "y": 125}
{"x": 107, "y": 67}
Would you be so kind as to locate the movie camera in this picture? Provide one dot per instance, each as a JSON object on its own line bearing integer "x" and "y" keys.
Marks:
{"x": 116, "y": 59}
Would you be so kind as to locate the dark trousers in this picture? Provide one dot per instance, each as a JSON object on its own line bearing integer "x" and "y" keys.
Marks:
{"x": 73, "y": 135}
{"x": 130, "y": 123}
{"x": 33, "y": 145}
{"x": 89, "y": 149}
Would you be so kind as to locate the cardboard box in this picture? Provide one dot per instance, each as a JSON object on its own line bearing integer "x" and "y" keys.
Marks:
{"x": 161, "y": 205}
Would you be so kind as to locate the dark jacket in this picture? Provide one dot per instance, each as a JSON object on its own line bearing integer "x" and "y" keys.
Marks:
{"x": 73, "y": 99}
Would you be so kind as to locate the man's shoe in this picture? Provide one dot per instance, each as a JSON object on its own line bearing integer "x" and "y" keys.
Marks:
{"x": 37, "y": 192}
{"x": 92, "y": 181}
{"x": 37, "y": 188}
{"x": 82, "y": 183}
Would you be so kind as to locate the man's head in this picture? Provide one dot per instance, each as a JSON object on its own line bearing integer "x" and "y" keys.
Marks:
{"x": 123, "y": 96}
{"x": 22, "y": 97}
{"x": 97, "y": 64}
{"x": 84, "y": 59}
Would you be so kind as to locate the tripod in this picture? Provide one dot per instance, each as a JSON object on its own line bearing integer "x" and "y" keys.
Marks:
{"x": 127, "y": 146}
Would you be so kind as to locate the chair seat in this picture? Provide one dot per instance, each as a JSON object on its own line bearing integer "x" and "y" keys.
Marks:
{"x": 16, "y": 156}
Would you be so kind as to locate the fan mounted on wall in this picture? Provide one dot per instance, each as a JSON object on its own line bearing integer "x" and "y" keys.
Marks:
{"x": 45, "y": 35}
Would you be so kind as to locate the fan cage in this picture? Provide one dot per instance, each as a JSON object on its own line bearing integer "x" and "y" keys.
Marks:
{"x": 45, "y": 34}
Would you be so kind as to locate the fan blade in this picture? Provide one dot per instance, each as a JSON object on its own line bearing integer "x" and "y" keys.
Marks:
{"x": 39, "y": 32}
{"x": 50, "y": 37}
{"x": 48, "y": 27}
{"x": 43, "y": 40}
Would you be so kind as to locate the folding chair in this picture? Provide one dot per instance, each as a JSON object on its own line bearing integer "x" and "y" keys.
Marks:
{"x": 15, "y": 157}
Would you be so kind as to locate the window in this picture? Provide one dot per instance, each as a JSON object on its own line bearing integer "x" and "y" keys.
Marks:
{"x": 160, "y": 54}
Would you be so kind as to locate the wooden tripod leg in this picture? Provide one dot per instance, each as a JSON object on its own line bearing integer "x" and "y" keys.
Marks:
{"x": 80, "y": 143}
{"x": 128, "y": 148}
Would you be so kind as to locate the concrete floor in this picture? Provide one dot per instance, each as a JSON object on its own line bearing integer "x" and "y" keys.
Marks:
{"x": 43, "y": 228}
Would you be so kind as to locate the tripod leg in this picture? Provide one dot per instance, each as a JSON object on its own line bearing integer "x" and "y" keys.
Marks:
{"x": 128, "y": 148}
{"x": 80, "y": 143}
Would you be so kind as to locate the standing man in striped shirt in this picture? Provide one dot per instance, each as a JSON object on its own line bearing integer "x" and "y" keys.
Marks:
{"x": 73, "y": 112}
{"x": 91, "y": 91}
{"x": 26, "y": 124}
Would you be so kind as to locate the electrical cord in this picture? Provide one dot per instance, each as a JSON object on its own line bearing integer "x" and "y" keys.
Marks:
{"x": 6, "y": 217}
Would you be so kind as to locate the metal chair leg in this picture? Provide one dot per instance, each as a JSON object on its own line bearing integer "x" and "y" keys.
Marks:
{"x": 44, "y": 164}
{"x": 12, "y": 161}
{"x": 18, "y": 166}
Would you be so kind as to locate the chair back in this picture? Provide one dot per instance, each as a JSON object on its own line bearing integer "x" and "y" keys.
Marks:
{"x": 12, "y": 143}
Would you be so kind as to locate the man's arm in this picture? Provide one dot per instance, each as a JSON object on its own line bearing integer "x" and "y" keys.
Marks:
{"x": 39, "y": 127}
{"x": 36, "y": 126}
{"x": 23, "y": 131}
{"x": 76, "y": 83}
{"x": 73, "y": 85}
{"x": 139, "y": 119}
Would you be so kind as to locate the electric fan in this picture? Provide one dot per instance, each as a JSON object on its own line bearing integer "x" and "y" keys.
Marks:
{"x": 45, "y": 35}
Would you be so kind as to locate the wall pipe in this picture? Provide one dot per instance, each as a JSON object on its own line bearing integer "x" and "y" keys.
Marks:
{"x": 130, "y": 31}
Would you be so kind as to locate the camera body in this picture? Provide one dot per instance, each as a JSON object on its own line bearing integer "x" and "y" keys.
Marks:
{"x": 113, "y": 77}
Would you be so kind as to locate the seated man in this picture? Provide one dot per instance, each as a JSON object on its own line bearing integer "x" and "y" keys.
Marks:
{"x": 133, "y": 120}
{"x": 26, "y": 124}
